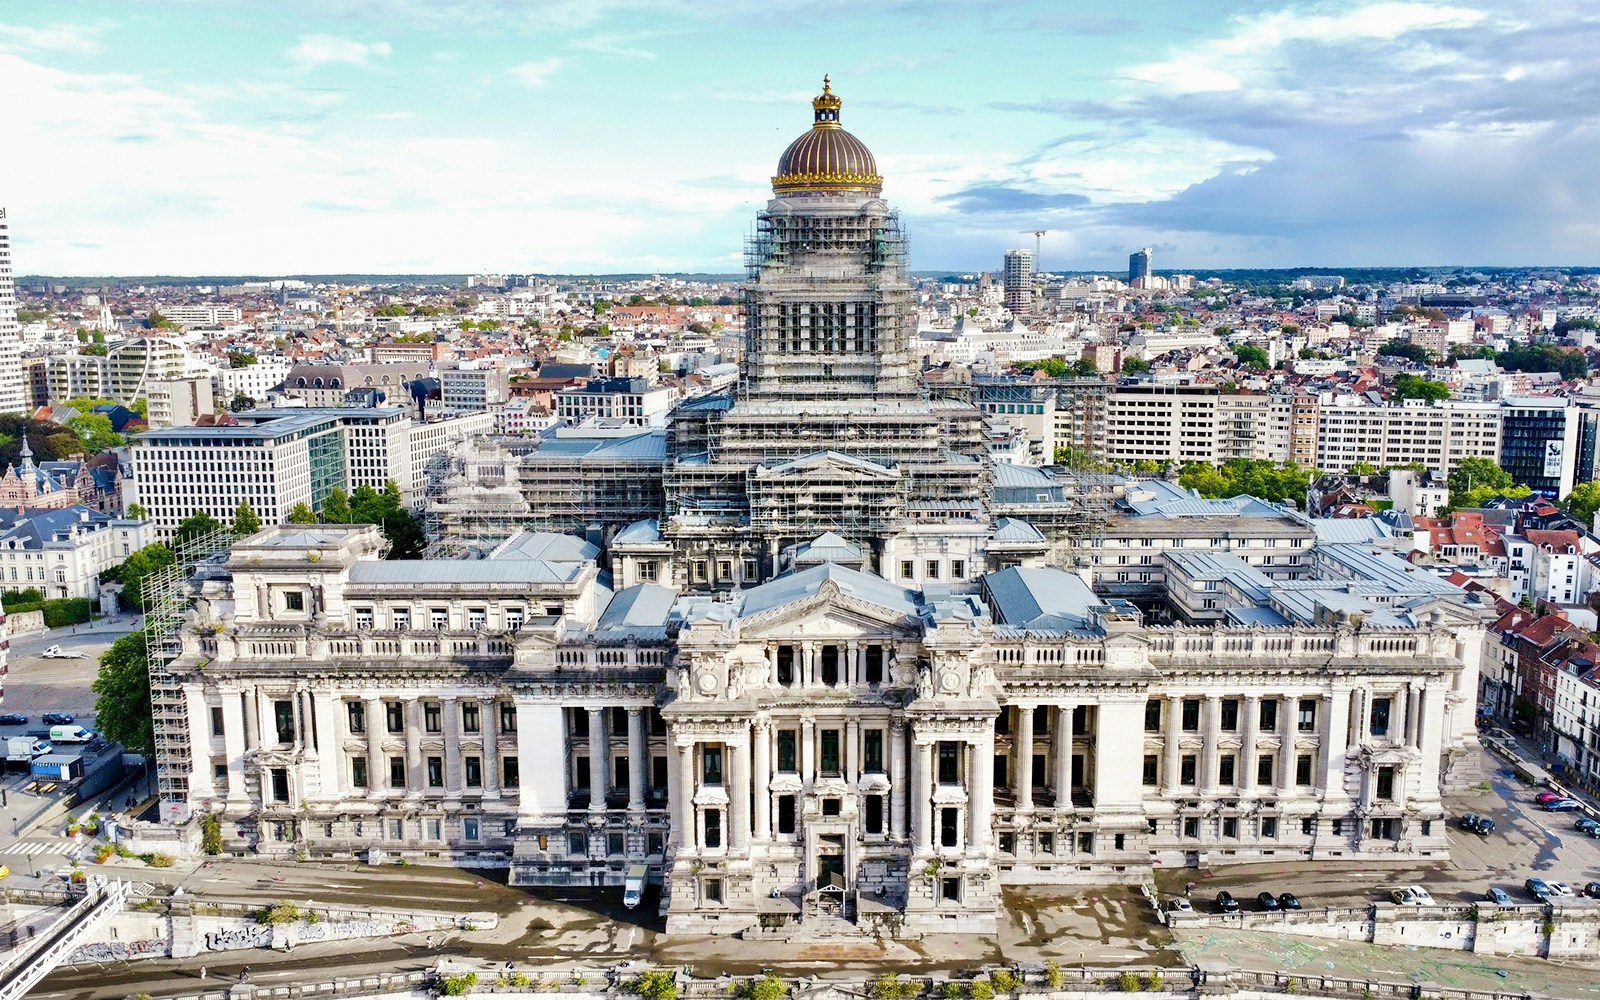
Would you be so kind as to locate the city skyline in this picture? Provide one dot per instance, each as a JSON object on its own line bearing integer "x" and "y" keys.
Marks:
{"x": 593, "y": 138}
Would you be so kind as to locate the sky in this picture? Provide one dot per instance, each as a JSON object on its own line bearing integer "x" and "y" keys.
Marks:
{"x": 607, "y": 136}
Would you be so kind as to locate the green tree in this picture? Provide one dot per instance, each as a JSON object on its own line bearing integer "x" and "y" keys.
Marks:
{"x": 122, "y": 694}
{"x": 1362, "y": 469}
{"x": 1260, "y": 478}
{"x": 1406, "y": 349}
{"x": 336, "y": 508}
{"x": 1582, "y": 502}
{"x": 137, "y": 568}
{"x": 1252, "y": 356}
{"x": 302, "y": 514}
{"x": 240, "y": 403}
{"x": 1479, "y": 473}
{"x": 193, "y": 528}
{"x": 136, "y": 511}
{"x": 94, "y": 430}
{"x": 1408, "y": 386}
{"x": 156, "y": 321}
{"x": 245, "y": 519}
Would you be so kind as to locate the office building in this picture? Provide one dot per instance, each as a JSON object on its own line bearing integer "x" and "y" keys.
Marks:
{"x": 253, "y": 381}
{"x": 131, "y": 366}
{"x": 1539, "y": 443}
{"x": 1018, "y": 276}
{"x": 13, "y": 386}
{"x": 472, "y": 390}
{"x": 177, "y": 402}
{"x": 632, "y": 401}
{"x": 1139, "y": 265}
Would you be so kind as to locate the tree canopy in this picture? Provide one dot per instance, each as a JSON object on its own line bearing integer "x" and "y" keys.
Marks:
{"x": 94, "y": 431}
{"x": 192, "y": 528}
{"x": 1476, "y": 481}
{"x": 336, "y": 508}
{"x": 400, "y": 528}
{"x": 1058, "y": 368}
{"x": 1571, "y": 364}
{"x": 1134, "y": 366}
{"x": 1252, "y": 356}
{"x": 122, "y": 689}
{"x": 1582, "y": 502}
{"x": 245, "y": 519}
{"x": 302, "y": 514}
{"x": 136, "y": 569}
{"x": 1406, "y": 349}
{"x": 1408, "y": 386}
{"x": 1260, "y": 478}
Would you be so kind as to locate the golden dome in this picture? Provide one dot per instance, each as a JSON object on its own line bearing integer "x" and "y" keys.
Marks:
{"x": 827, "y": 159}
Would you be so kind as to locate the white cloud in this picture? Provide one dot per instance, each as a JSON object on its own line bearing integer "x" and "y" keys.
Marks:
{"x": 318, "y": 50}
{"x": 536, "y": 74}
{"x": 75, "y": 38}
{"x": 613, "y": 45}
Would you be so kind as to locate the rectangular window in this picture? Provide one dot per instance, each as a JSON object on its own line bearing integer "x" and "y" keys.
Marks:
{"x": 283, "y": 720}
{"x": 1085, "y": 842}
{"x": 470, "y": 717}
{"x": 906, "y": 570}
{"x": 435, "y": 829}
{"x": 577, "y": 844}
{"x": 1302, "y": 769}
{"x": 474, "y": 769}
{"x": 1152, "y": 769}
{"x": 1191, "y": 827}
{"x": 713, "y": 828}
{"x": 1308, "y": 826}
{"x": 829, "y": 762}
{"x": 294, "y": 600}
{"x": 435, "y": 772}
{"x": 958, "y": 569}
{"x": 1269, "y": 827}
{"x": 949, "y": 763}
{"x": 933, "y": 569}
{"x": 874, "y": 665}
{"x": 510, "y": 773}
{"x": 508, "y": 717}
{"x": 950, "y": 888}
{"x": 1152, "y": 716}
{"x": 1381, "y": 708}
{"x": 1386, "y": 782}
{"x": 1230, "y": 715}
{"x": 397, "y": 772}
{"x": 1269, "y": 715}
{"x": 700, "y": 571}
{"x": 724, "y": 569}
{"x": 355, "y": 714}
{"x": 786, "y": 665}
{"x": 1264, "y": 769}
{"x": 1308, "y": 715}
{"x": 396, "y": 829}
{"x": 431, "y": 717}
{"x": 786, "y": 814}
{"x": 401, "y": 618}
{"x": 711, "y": 766}
{"x": 713, "y": 890}
{"x": 394, "y": 716}
{"x": 438, "y": 619}
{"x": 513, "y": 619}
{"x": 358, "y": 772}
{"x": 216, "y": 720}
{"x": 872, "y": 751}
{"x": 471, "y": 829}
{"x": 1230, "y": 826}
{"x": 280, "y": 784}
{"x": 363, "y": 618}
{"x": 787, "y": 758}
{"x": 949, "y": 827}
{"x": 1225, "y": 770}
{"x": 751, "y": 570}
{"x": 1186, "y": 769}
{"x": 1191, "y": 715}
{"x": 476, "y": 617}
{"x": 874, "y": 817}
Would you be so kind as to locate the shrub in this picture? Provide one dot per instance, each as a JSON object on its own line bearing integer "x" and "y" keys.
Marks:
{"x": 101, "y": 853}
{"x": 518, "y": 979}
{"x": 1127, "y": 982}
{"x": 655, "y": 984}
{"x": 1004, "y": 980}
{"x": 278, "y": 913}
{"x": 951, "y": 990}
{"x": 159, "y": 860}
{"x": 211, "y": 833}
{"x": 1289, "y": 985}
{"x": 1052, "y": 974}
{"x": 981, "y": 989}
{"x": 458, "y": 985}
{"x": 889, "y": 987}
{"x": 67, "y": 611}
{"x": 768, "y": 987}
{"x": 1153, "y": 982}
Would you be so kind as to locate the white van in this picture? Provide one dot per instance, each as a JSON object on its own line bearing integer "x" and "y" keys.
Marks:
{"x": 70, "y": 734}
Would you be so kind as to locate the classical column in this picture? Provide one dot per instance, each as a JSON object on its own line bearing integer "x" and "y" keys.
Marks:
{"x": 852, "y": 751}
{"x": 849, "y": 669}
{"x": 599, "y": 762}
{"x": 739, "y": 795}
{"x": 1245, "y": 773}
{"x": 1420, "y": 711}
{"x": 980, "y": 790}
{"x": 489, "y": 723}
{"x": 1022, "y": 756}
{"x": 1288, "y": 726}
{"x": 1210, "y": 736}
{"x": 330, "y": 756}
{"x": 377, "y": 773}
{"x": 1174, "y": 734}
{"x": 416, "y": 777}
{"x": 808, "y": 750}
{"x": 638, "y": 759}
{"x": 761, "y": 777}
{"x": 1063, "y": 756}
{"x": 454, "y": 780}
{"x": 807, "y": 658}
{"x": 897, "y": 778}
{"x": 922, "y": 798}
{"x": 687, "y": 839}
{"x": 1334, "y": 743}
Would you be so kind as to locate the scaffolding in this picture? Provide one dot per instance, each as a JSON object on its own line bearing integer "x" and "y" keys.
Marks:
{"x": 165, "y": 600}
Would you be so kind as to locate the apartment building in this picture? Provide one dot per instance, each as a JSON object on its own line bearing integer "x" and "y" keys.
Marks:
{"x": 632, "y": 400}
{"x": 1356, "y": 430}
{"x": 61, "y": 552}
{"x": 178, "y": 402}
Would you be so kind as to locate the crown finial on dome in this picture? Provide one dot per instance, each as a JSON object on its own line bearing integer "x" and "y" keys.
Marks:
{"x": 826, "y": 106}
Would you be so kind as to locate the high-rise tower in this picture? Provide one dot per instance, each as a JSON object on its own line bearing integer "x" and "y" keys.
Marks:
{"x": 1019, "y": 282}
{"x": 1139, "y": 264}
{"x": 13, "y": 390}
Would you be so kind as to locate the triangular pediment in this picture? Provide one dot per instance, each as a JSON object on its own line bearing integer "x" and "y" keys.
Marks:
{"x": 829, "y": 614}
{"x": 830, "y": 460}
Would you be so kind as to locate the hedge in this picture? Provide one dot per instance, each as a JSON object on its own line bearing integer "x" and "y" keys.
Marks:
{"x": 60, "y": 612}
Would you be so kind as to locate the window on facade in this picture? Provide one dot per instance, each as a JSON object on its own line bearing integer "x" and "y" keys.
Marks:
{"x": 1152, "y": 716}
{"x": 577, "y": 844}
{"x": 1308, "y": 715}
{"x": 949, "y": 827}
{"x": 874, "y": 814}
{"x": 1386, "y": 782}
{"x": 510, "y": 773}
{"x": 713, "y": 890}
{"x": 830, "y": 665}
{"x": 476, "y": 617}
{"x": 401, "y": 617}
{"x": 786, "y": 814}
{"x": 280, "y": 784}
{"x": 786, "y": 751}
{"x": 713, "y": 828}
{"x": 283, "y": 720}
{"x": 294, "y": 600}
{"x": 1264, "y": 769}
{"x": 907, "y": 569}
{"x": 1225, "y": 769}
{"x": 1186, "y": 769}
{"x": 1381, "y": 708}
{"x": 872, "y": 751}
{"x": 216, "y": 720}
{"x": 471, "y": 828}
{"x": 711, "y": 765}
{"x": 394, "y": 716}
{"x": 1269, "y": 827}
{"x": 1302, "y": 769}
{"x": 579, "y": 722}
{"x": 363, "y": 618}
{"x": 874, "y": 667}
{"x": 949, "y": 763}
{"x": 508, "y": 717}
{"x": 1191, "y": 827}
{"x": 1230, "y": 826}
{"x": 435, "y": 772}
{"x": 699, "y": 571}
{"x": 438, "y": 618}
{"x": 1152, "y": 769}
{"x": 786, "y": 665}
{"x": 1269, "y": 715}
{"x": 397, "y": 772}
{"x": 950, "y": 888}
{"x": 933, "y": 569}
{"x": 471, "y": 717}
{"x": 358, "y": 772}
{"x": 1230, "y": 715}
{"x": 431, "y": 716}
{"x": 1191, "y": 714}
{"x": 474, "y": 771}
{"x": 829, "y": 758}
{"x": 751, "y": 570}
{"x": 513, "y": 619}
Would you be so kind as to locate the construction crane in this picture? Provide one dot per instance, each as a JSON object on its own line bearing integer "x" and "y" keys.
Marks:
{"x": 1038, "y": 244}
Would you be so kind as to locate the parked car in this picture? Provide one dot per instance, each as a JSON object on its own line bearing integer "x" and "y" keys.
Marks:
{"x": 1181, "y": 905}
{"x": 1547, "y": 796}
{"x": 1467, "y": 821}
{"x": 1226, "y": 903}
{"x": 1538, "y": 888}
{"x": 1498, "y": 896}
{"x": 1267, "y": 901}
{"x": 57, "y": 719}
{"x": 1592, "y": 890}
{"x": 1585, "y": 823}
{"x": 1411, "y": 895}
{"x": 1289, "y": 901}
{"x": 13, "y": 719}
{"x": 1560, "y": 889}
{"x": 1563, "y": 805}
{"x": 1479, "y": 825}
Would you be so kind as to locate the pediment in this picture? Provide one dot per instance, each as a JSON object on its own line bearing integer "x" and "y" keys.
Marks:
{"x": 829, "y": 614}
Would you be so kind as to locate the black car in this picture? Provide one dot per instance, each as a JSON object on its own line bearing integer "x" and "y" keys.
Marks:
{"x": 1475, "y": 823}
{"x": 1288, "y": 901}
{"x": 13, "y": 719}
{"x": 1592, "y": 890}
{"x": 1267, "y": 901}
{"x": 1226, "y": 903}
{"x": 57, "y": 719}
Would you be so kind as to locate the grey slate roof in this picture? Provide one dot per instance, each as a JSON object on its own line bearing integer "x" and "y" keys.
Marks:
{"x": 1040, "y": 598}
{"x": 444, "y": 572}
{"x": 799, "y": 585}
{"x": 546, "y": 546}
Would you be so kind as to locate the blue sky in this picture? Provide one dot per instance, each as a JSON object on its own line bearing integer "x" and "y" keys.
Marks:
{"x": 607, "y": 135}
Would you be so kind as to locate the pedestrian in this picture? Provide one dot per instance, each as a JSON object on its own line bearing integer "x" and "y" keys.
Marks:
{"x": 429, "y": 940}
{"x": 202, "y": 972}
{"x": 244, "y": 974}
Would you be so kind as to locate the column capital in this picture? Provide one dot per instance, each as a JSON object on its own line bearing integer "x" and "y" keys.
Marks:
{"x": 635, "y": 710}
